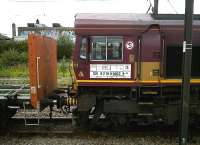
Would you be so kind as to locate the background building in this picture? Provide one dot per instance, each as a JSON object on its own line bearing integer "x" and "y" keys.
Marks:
{"x": 55, "y": 31}
{"x": 3, "y": 37}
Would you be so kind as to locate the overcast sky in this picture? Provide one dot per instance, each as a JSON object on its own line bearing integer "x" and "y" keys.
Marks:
{"x": 63, "y": 11}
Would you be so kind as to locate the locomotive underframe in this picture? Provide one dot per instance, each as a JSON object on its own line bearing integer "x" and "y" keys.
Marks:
{"x": 147, "y": 104}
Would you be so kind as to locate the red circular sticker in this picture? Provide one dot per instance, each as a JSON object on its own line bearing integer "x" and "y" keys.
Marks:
{"x": 129, "y": 45}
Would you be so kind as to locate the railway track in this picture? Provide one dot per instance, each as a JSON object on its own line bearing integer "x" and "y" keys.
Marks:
{"x": 64, "y": 126}
{"x": 10, "y": 86}
{"x": 25, "y": 81}
{"x": 21, "y": 90}
{"x": 56, "y": 125}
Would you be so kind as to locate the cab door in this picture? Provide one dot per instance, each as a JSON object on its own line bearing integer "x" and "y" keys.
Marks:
{"x": 82, "y": 58}
{"x": 150, "y": 54}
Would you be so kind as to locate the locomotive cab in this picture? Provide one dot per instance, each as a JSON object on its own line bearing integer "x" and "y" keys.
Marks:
{"x": 104, "y": 58}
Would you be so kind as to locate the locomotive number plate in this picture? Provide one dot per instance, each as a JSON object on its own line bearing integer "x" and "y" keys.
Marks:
{"x": 110, "y": 70}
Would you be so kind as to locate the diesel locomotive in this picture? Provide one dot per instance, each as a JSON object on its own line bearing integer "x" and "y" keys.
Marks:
{"x": 127, "y": 68}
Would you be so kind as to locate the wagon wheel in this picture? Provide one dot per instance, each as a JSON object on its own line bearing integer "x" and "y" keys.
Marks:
{"x": 95, "y": 122}
{"x": 5, "y": 115}
{"x": 83, "y": 119}
{"x": 4, "y": 118}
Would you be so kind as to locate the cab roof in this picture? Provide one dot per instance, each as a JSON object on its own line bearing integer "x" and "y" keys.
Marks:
{"x": 83, "y": 19}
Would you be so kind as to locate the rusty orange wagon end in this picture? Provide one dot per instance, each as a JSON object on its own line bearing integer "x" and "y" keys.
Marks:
{"x": 42, "y": 67}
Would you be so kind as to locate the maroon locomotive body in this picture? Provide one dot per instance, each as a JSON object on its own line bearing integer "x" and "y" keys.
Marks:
{"x": 129, "y": 66}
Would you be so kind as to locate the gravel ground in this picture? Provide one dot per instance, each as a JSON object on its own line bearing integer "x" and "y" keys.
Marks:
{"x": 43, "y": 114}
{"x": 95, "y": 138}
{"x": 91, "y": 139}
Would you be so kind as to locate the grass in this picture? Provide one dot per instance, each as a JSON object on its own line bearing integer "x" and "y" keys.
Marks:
{"x": 63, "y": 68}
{"x": 21, "y": 71}
{"x": 14, "y": 71}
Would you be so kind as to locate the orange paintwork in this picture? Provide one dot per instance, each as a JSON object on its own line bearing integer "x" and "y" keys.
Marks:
{"x": 42, "y": 67}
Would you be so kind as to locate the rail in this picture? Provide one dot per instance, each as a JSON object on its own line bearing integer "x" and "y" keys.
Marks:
{"x": 11, "y": 86}
{"x": 11, "y": 90}
{"x": 62, "y": 81}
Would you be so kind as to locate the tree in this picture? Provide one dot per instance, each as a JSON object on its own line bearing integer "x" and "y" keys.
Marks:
{"x": 64, "y": 47}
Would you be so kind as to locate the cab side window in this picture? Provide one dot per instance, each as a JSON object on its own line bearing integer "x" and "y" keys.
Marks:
{"x": 114, "y": 48}
{"x": 98, "y": 48}
{"x": 83, "y": 48}
{"x": 107, "y": 48}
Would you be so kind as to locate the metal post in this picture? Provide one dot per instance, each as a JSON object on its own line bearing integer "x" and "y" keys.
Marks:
{"x": 155, "y": 7}
{"x": 186, "y": 65}
{"x": 13, "y": 30}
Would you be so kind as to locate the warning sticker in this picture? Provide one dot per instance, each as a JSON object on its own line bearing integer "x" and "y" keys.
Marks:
{"x": 129, "y": 45}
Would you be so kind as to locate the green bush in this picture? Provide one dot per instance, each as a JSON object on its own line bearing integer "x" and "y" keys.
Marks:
{"x": 6, "y": 45}
{"x": 20, "y": 46}
{"x": 12, "y": 57}
{"x": 15, "y": 52}
{"x": 64, "y": 47}
{"x": 63, "y": 67}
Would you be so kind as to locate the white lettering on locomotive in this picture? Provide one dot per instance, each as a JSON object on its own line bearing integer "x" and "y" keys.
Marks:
{"x": 110, "y": 70}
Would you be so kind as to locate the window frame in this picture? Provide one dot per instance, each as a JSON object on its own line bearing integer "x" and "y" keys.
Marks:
{"x": 106, "y": 38}
{"x": 86, "y": 42}
{"x": 122, "y": 49}
{"x": 92, "y": 49}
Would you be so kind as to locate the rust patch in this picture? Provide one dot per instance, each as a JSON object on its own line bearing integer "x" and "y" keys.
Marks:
{"x": 42, "y": 67}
